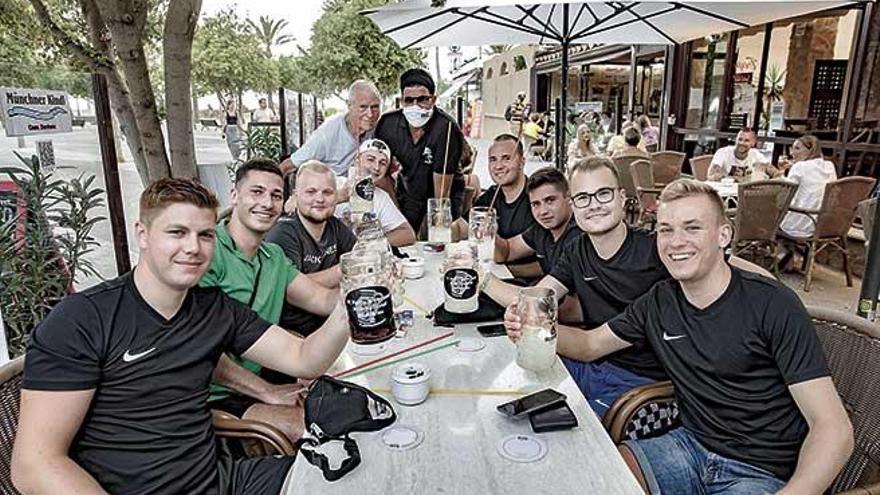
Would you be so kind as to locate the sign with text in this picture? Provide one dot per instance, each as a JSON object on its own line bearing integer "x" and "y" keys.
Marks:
{"x": 26, "y": 112}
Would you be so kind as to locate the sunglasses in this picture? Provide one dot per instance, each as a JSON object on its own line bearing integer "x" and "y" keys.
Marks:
{"x": 409, "y": 100}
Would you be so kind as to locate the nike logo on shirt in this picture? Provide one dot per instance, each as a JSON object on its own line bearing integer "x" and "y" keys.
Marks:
{"x": 668, "y": 337}
{"x": 129, "y": 357}
{"x": 589, "y": 279}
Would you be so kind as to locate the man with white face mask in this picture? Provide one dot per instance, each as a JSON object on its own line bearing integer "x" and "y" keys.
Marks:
{"x": 427, "y": 144}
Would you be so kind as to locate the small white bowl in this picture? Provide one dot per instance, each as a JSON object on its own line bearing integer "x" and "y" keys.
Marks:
{"x": 414, "y": 267}
{"x": 411, "y": 383}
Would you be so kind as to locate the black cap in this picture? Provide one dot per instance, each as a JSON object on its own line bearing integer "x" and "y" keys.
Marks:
{"x": 417, "y": 77}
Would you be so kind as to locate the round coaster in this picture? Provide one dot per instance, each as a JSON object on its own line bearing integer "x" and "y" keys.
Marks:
{"x": 402, "y": 437}
{"x": 369, "y": 350}
{"x": 470, "y": 344}
{"x": 522, "y": 448}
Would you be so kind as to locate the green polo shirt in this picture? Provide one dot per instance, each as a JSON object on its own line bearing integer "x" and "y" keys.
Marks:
{"x": 236, "y": 275}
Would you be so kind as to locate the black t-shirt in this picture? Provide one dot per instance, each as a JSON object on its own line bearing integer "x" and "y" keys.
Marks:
{"x": 421, "y": 160}
{"x": 310, "y": 257}
{"x": 731, "y": 364}
{"x": 548, "y": 249}
{"x": 515, "y": 217}
{"x": 148, "y": 429}
{"x": 606, "y": 287}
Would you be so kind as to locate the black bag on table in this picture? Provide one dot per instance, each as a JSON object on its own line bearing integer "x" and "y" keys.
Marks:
{"x": 333, "y": 409}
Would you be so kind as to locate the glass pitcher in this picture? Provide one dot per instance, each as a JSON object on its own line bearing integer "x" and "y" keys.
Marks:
{"x": 366, "y": 289}
{"x": 537, "y": 310}
{"x": 482, "y": 227}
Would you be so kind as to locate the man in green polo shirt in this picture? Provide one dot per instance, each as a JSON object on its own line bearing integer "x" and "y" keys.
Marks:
{"x": 258, "y": 274}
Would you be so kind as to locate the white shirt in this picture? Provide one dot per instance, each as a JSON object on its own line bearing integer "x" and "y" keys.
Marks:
{"x": 332, "y": 144}
{"x": 383, "y": 206}
{"x": 811, "y": 177}
{"x": 733, "y": 166}
{"x": 260, "y": 115}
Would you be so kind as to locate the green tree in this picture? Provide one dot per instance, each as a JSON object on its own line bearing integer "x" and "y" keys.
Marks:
{"x": 270, "y": 33}
{"x": 346, "y": 46}
{"x": 228, "y": 58}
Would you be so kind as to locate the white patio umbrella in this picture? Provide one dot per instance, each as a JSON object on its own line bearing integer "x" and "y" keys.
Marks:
{"x": 423, "y": 23}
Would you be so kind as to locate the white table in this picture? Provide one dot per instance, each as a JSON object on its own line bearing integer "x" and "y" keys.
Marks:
{"x": 727, "y": 190}
{"x": 462, "y": 430}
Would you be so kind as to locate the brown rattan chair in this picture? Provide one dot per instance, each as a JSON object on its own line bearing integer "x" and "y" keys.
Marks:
{"x": 852, "y": 349}
{"x": 832, "y": 223}
{"x": 10, "y": 397}
{"x": 761, "y": 206}
{"x": 700, "y": 167}
{"x": 646, "y": 192}
{"x": 622, "y": 163}
{"x": 257, "y": 438}
{"x": 667, "y": 166}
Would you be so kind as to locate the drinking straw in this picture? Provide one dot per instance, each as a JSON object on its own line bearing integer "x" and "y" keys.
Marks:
{"x": 415, "y": 305}
{"x": 405, "y": 358}
{"x": 389, "y": 356}
{"x": 445, "y": 160}
{"x": 461, "y": 391}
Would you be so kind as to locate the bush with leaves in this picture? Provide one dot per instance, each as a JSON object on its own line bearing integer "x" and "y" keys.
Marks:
{"x": 38, "y": 270}
{"x": 263, "y": 141}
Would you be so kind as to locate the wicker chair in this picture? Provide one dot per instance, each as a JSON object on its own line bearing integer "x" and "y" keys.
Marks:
{"x": 667, "y": 166}
{"x": 257, "y": 438}
{"x": 761, "y": 207}
{"x": 852, "y": 349}
{"x": 646, "y": 192}
{"x": 700, "y": 167}
{"x": 622, "y": 163}
{"x": 832, "y": 222}
{"x": 10, "y": 396}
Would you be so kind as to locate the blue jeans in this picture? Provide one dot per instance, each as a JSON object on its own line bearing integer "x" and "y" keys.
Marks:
{"x": 602, "y": 383}
{"x": 677, "y": 464}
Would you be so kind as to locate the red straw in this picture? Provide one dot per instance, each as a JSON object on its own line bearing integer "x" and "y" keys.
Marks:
{"x": 383, "y": 358}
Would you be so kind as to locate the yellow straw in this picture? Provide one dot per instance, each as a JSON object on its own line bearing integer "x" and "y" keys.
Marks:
{"x": 415, "y": 305}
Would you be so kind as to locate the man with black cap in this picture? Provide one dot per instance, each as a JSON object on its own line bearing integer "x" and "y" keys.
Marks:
{"x": 427, "y": 144}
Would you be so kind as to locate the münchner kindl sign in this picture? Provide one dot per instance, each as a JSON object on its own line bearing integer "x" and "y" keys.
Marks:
{"x": 27, "y": 112}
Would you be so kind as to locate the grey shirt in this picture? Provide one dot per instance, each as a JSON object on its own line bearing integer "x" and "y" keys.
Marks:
{"x": 332, "y": 144}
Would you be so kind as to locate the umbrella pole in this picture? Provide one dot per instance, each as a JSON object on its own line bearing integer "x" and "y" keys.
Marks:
{"x": 867, "y": 307}
{"x": 563, "y": 99}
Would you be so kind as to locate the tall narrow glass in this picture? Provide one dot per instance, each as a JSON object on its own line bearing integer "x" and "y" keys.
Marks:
{"x": 538, "y": 312}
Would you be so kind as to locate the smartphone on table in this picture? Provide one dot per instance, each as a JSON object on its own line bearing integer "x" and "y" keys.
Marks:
{"x": 532, "y": 402}
{"x": 493, "y": 330}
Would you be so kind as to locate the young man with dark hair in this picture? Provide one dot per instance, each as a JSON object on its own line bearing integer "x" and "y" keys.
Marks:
{"x": 115, "y": 386}
{"x": 555, "y": 226}
{"x": 312, "y": 238}
{"x": 759, "y": 411}
{"x": 607, "y": 269}
{"x": 427, "y": 143}
{"x": 258, "y": 274}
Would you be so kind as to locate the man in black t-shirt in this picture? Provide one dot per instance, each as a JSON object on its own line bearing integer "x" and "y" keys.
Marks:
{"x": 607, "y": 269}
{"x": 115, "y": 387}
{"x": 759, "y": 411}
{"x": 554, "y": 228}
{"x": 312, "y": 238}
{"x": 427, "y": 144}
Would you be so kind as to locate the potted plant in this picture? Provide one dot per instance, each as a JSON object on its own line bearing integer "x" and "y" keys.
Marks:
{"x": 40, "y": 264}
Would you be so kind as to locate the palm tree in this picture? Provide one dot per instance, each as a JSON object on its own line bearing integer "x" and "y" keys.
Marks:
{"x": 270, "y": 33}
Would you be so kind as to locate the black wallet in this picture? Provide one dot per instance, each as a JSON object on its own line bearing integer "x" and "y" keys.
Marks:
{"x": 556, "y": 418}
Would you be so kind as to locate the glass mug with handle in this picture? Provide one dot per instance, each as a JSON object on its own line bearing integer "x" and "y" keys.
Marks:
{"x": 461, "y": 279}
{"x": 439, "y": 220}
{"x": 482, "y": 228}
{"x": 537, "y": 309}
{"x": 367, "y": 286}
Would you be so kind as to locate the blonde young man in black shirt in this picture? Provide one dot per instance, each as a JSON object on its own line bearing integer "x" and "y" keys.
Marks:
{"x": 759, "y": 411}
{"x": 115, "y": 388}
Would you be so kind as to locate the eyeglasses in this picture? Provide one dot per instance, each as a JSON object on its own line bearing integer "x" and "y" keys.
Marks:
{"x": 602, "y": 196}
{"x": 409, "y": 100}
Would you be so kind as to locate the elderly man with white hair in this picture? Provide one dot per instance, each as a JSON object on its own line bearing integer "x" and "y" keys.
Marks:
{"x": 336, "y": 141}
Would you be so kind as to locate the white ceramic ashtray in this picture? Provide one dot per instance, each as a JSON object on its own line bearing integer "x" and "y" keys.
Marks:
{"x": 411, "y": 383}
{"x": 414, "y": 267}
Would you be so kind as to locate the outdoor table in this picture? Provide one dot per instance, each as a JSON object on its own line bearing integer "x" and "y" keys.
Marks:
{"x": 727, "y": 191}
{"x": 461, "y": 427}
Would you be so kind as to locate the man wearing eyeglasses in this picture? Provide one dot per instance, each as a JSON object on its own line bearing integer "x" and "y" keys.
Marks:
{"x": 427, "y": 144}
{"x": 336, "y": 142}
{"x": 608, "y": 269}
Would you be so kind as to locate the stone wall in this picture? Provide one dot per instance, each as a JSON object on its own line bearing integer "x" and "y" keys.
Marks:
{"x": 810, "y": 41}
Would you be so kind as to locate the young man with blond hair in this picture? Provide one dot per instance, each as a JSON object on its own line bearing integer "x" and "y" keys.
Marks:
{"x": 759, "y": 411}
{"x": 115, "y": 387}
